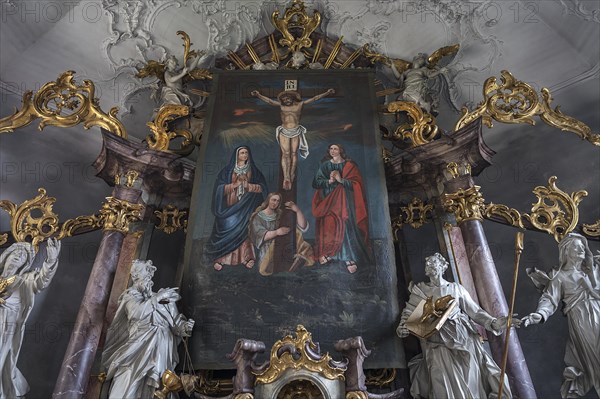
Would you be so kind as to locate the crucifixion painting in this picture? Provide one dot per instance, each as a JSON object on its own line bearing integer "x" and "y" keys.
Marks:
{"x": 291, "y": 135}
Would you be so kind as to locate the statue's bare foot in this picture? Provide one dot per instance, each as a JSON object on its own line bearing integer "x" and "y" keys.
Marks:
{"x": 249, "y": 264}
{"x": 218, "y": 266}
{"x": 287, "y": 185}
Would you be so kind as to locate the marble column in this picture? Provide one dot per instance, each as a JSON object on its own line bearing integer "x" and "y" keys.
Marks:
{"x": 133, "y": 169}
{"x": 79, "y": 358}
{"x": 487, "y": 283}
{"x": 128, "y": 253}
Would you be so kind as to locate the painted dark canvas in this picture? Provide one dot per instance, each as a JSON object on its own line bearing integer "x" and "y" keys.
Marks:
{"x": 317, "y": 253}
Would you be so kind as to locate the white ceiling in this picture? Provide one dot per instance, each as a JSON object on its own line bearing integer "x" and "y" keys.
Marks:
{"x": 552, "y": 44}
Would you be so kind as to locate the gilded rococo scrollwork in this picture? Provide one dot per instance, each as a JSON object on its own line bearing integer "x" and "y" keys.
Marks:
{"x": 514, "y": 101}
{"x": 555, "y": 211}
{"x": 299, "y": 352}
{"x": 422, "y": 128}
{"x": 34, "y": 220}
{"x": 357, "y": 395}
{"x": 63, "y": 103}
{"x": 162, "y": 136}
{"x": 593, "y": 229}
{"x": 414, "y": 214}
{"x": 171, "y": 219}
{"x": 380, "y": 377}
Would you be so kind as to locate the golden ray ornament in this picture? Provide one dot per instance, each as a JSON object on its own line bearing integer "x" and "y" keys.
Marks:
{"x": 299, "y": 353}
{"x": 296, "y": 18}
{"x": 63, "y": 103}
{"x": 513, "y": 101}
{"x": 161, "y": 137}
{"x": 421, "y": 129}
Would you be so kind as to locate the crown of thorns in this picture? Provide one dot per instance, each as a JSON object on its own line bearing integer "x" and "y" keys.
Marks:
{"x": 293, "y": 94}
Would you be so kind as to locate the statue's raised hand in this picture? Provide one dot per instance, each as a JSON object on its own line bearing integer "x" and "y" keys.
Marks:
{"x": 167, "y": 295}
{"x": 402, "y": 330}
{"x": 532, "y": 318}
{"x": 52, "y": 250}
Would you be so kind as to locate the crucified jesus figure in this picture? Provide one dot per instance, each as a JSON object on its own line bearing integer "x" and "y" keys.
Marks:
{"x": 290, "y": 134}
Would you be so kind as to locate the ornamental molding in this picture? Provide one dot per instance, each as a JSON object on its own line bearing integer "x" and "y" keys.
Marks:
{"x": 63, "y": 103}
{"x": 555, "y": 212}
{"x": 300, "y": 352}
{"x": 34, "y": 220}
{"x": 515, "y": 102}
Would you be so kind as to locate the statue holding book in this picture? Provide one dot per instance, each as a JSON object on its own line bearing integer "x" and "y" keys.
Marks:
{"x": 453, "y": 362}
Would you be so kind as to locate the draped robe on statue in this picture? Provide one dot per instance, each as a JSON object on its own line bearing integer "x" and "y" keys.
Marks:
{"x": 582, "y": 308}
{"x": 232, "y": 208}
{"x": 13, "y": 315}
{"x": 454, "y": 363}
{"x": 340, "y": 210}
{"x": 141, "y": 344}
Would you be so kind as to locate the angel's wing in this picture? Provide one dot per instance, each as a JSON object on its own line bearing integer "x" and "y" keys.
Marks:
{"x": 446, "y": 53}
{"x": 400, "y": 64}
{"x": 152, "y": 68}
{"x": 540, "y": 279}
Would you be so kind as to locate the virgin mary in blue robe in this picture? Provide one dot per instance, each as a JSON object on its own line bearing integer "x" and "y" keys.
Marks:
{"x": 239, "y": 189}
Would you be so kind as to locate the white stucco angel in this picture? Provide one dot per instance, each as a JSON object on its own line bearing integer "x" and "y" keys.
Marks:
{"x": 170, "y": 79}
{"x": 454, "y": 363}
{"x": 142, "y": 340}
{"x": 576, "y": 282}
{"x": 418, "y": 80}
{"x": 18, "y": 287}
{"x": 415, "y": 83}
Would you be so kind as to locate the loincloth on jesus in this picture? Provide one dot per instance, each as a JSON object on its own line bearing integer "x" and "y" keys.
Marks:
{"x": 292, "y": 133}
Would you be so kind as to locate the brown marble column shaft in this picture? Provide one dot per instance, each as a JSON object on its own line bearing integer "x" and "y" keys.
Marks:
{"x": 121, "y": 279}
{"x": 80, "y": 354}
{"x": 491, "y": 297}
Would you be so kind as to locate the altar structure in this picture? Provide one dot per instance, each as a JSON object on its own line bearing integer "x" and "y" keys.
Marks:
{"x": 291, "y": 188}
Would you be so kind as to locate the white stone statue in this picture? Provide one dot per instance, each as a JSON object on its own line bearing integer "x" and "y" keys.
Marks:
{"x": 142, "y": 340}
{"x": 172, "y": 90}
{"x": 18, "y": 286}
{"x": 576, "y": 282}
{"x": 454, "y": 363}
{"x": 415, "y": 83}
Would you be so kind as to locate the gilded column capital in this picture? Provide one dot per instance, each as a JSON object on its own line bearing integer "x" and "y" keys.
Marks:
{"x": 117, "y": 214}
{"x": 466, "y": 204}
